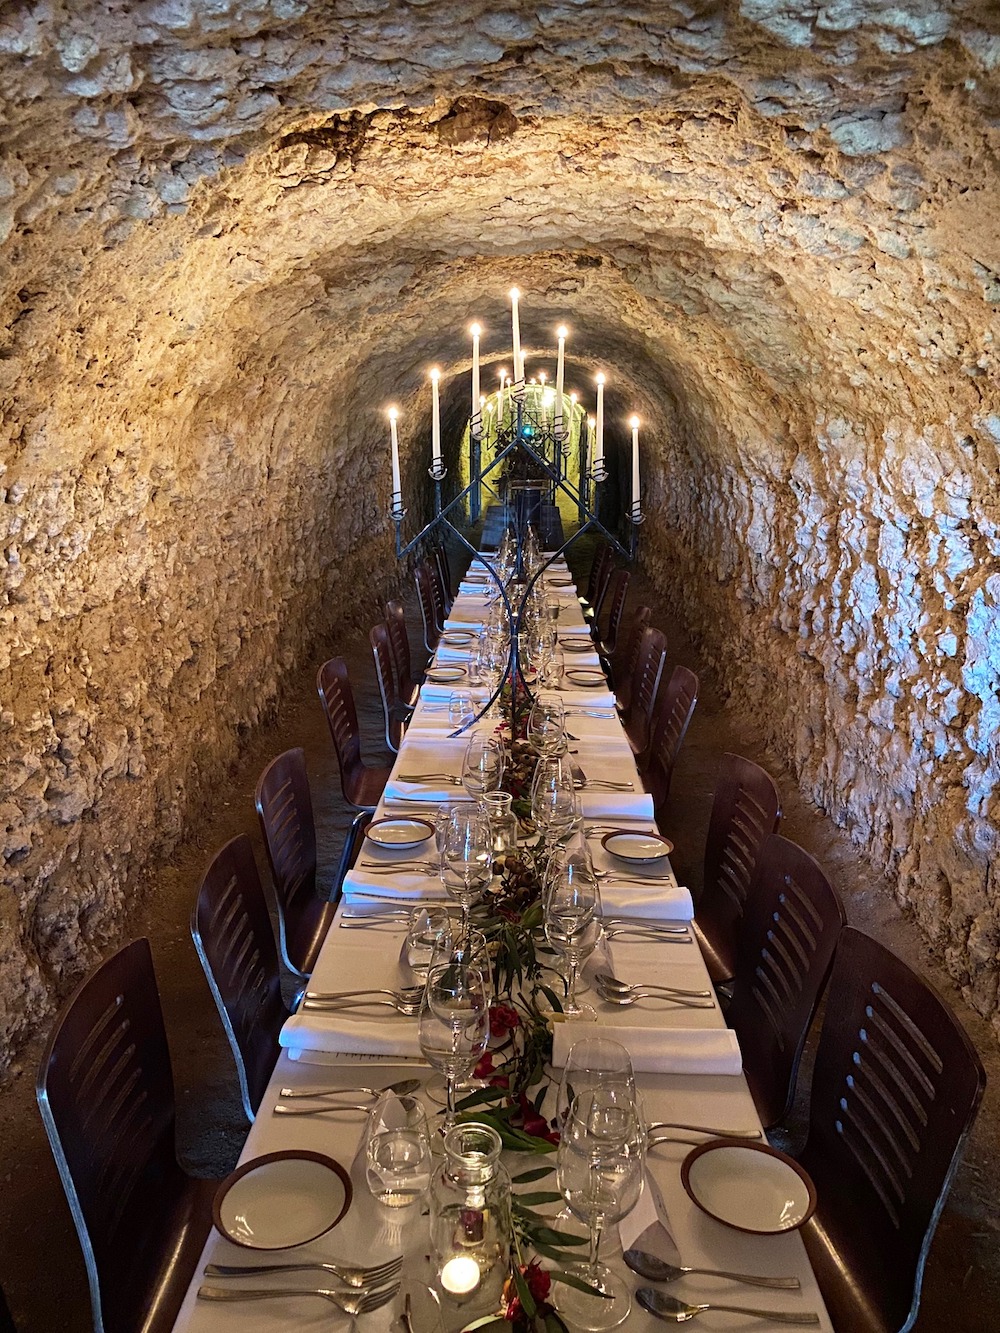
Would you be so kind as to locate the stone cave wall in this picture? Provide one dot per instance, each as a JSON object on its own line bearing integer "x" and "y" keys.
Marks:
{"x": 233, "y": 231}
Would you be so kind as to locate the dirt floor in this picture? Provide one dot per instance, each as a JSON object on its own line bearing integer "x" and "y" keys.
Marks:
{"x": 40, "y": 1264}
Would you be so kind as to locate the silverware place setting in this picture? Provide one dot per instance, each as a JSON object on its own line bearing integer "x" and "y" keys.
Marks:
{"x": 638, "y": 933}
{"x": 615, "y": 984}
{"x": 654, "y": 1269}
{"x": 656, "y": 927}
{"x": 353, "y": 1275}
{"x": 403, "y": 1087}
{"x": 673, "y": 1311}
{"x": 621, "y": 1001}
{"x": 351, "y": 1302}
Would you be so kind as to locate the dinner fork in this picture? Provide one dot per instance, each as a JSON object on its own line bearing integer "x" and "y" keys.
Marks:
{"x": 409, "y": 1008}
{"x": 633, "y": 932}
{"x": 353, "y": 1275}
{"x": 626, "y": 1001}
{"x": 404, "y": 993}
{"x": 430, "y": 777}
{"x": 360, "y": 1303}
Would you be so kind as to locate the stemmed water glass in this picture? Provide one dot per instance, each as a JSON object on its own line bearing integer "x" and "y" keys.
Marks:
{"x": 454, "y": 1024}
{"x": 547, "y": 726}
{"x": 554, "y": 805}
{"x": 599, "y": 1168}
{"x": 466, "y": 857}
{"x": 482, "y": 764}
{"x": 572, "y": 922}
{"x": 592, "y": 1063}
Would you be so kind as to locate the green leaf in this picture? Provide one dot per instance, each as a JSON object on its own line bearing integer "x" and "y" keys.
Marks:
{"x": 489, "y": 1321}
{"x": 536, "y": 1173}
{"x": 524, "y": 1293}
{"x": 481, "y": 1097}
{"x": 540, "y": 1196}
{"x": 570, "y": 1280}
{"x": 552, "y": 998}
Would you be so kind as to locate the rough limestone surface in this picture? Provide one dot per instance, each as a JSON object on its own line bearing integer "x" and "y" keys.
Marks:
{"x": 233, "y": 231}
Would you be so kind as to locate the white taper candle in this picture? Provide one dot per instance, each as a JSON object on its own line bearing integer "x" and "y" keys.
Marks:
{"x": 435, "y": 420}
{"x": 397, "y": 489}
{"x": 477, "y": 416}
{"x": 560, "y": 378}
{"x": 634, "y": 423}
{"x": 515, "y": 326}
{"x": 598, "y": 463}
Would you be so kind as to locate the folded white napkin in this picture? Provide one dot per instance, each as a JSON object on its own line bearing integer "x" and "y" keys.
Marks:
{"x": 376, "y": 1031}
{"x": 664, "y": 900}
{"x": 659, "y": 1050}
{"x": 412, "y": 885}
{"x": 582, "y": 696}
{"x": 600, "y": 804}
{"x": 432, "y": 691}
{"x": 454, "y": 654}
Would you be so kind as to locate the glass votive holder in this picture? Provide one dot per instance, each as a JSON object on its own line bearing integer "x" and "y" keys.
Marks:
{"x": 398, "y": 1160}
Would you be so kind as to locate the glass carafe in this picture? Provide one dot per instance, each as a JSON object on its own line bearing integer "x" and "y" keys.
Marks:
{"x": 470, "y": 1217}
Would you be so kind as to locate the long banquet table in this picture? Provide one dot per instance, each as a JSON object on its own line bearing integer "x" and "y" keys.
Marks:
{"x": 354, "y": 957}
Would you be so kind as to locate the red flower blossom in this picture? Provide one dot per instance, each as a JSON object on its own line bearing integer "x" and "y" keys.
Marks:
{"x": 538, "y": 1282}
{"x": 503, "y": 1019}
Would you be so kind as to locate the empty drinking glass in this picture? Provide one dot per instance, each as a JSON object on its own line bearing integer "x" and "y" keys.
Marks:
{"x": 454, "y": 1024}
{"x": 572, "y": 921}
{"x": 398, "y": 1159}
{"x": 466, "y": 858}
{"x": 428, "y": 939}
{"x": 482, "y": 764}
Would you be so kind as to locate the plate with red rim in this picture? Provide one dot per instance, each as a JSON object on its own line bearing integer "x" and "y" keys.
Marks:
{"x": 445, "y": 675}
{"x": 639, "y": 848}
{"x": 399, "y": 834}
{"x": 577, "y": 645}
{"x": 589, "y": 678}
{"x": 457, "y": 638}
{"x": 751, "y": 1187}
{"x": 282, "y": 1199}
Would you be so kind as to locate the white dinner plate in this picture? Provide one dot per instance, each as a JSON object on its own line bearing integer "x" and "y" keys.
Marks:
{"x": 588, "y": 677}
{"x": 458, "y": 638}
{"x": 444, "y": 675}
{"x": 639, "y": 847}
{"x": 749, "y": 1186}
{"x": 282, "y": 1199}
{"x": 577, "y": 645}
{"x": 399, "y": 834}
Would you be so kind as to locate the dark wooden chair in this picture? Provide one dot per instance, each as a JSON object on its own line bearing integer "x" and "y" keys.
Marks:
{"x": 361, "y": 783}
{"x": 637, "y": 717}
{"x": 284, "y": 806}
{"x": 618, "y": 592}
{"x": 7, "y": 1324}
{"x": 106, "y": 1094}
{"x": 672, "y": 713}
{"x": 895, "y": 1090}
{"x": 600, "y": 571}
{"x": 431, "y": 615}
{"x": 407, "y": 685}
{"x": 745, "y": 810}
{"x": 231, "y": 929}
{"x": 623, "y": 659}
{"x": 439, "y": 561}
{"x": 392, "y": 710}
{"x": 793, "y": 919}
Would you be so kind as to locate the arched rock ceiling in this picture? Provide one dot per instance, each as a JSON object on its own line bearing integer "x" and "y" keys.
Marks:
{"x": 231, "y": 233}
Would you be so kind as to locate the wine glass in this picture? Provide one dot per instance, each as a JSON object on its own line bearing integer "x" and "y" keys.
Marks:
{"x": 461, "y": 709}
{"x": 599, "y": 1167}
{"x": 547, "y": 726}
{"x": 454, "y": 1024}
{"x": 554, "y": 805}
{"x": 428, "y": 939}
{"x": 592, "y": 1063}
{"x": 466, "y": 857}
{"x": 572, "y": 922}
{"x": 482, "y": 764}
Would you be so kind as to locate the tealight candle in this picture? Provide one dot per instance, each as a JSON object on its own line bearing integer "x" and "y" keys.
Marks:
{"x": 460, "y": 1276}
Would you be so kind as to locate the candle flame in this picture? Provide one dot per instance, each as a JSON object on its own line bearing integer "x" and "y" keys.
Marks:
{"x": 634, "y": 422}
{"x": 475, "y": 330}
{"x": 562, "y": 332}
{"x": 514, "y": 294}
{"x": 573, "y": 399}
{"x": 600, "y": 379}
{"x": 591, "y": 422}
{"x": 435, "y": 374}
{"x": 541, "y": 376}
{"x": 393, "y": 413}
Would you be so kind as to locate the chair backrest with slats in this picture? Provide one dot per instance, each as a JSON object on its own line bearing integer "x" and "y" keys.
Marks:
{"x": 618, "y": 592}
{"x": 439, "y": 556}
{"x": 378, "y": 637}
{"x": 627, "y": 654}
{"x": 232, "y": 933}
{"x": 646, "y": 676}
{"x": 895, "y": 1090}
{"x": 337, "y": 698}
{"x": 428, "y": 607}
{"x": 106, "y": 1095}
{"x": 599, "y": 568}
{"x": 285, "y": 809}
{"x": 399, "y": 643}
{"x": 674, "y": 709}
{"x": 746, "y": 808}
{"x": 793, "y": 919}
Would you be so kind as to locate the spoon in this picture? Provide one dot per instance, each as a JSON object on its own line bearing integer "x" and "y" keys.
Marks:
{"x": 615, "y": 984}
{"x": 673, "y": 1311}
{"x": 626, "y": 1001}
{"x": 402, "y": 1088}
{"x": 656, "y": 1270}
